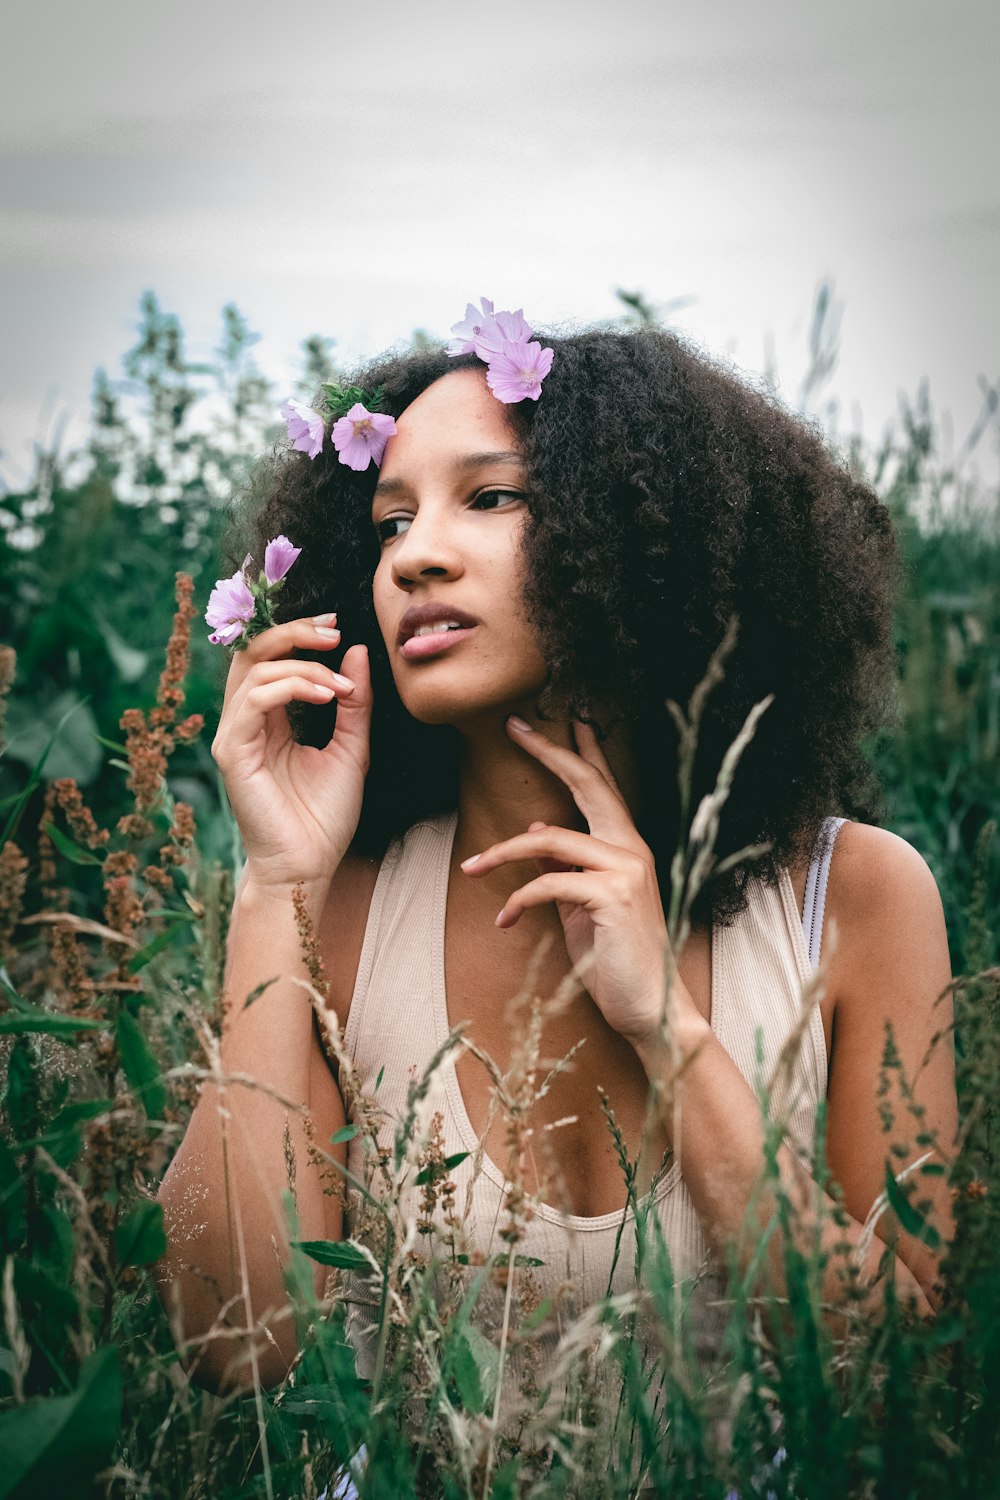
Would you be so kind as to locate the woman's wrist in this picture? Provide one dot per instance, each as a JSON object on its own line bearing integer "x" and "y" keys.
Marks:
{"x": 675, "y": 1044}
{"x": 277, "y": 898}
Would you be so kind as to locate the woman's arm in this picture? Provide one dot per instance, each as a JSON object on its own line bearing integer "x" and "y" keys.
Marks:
{"x": 222, "y": 1195}
{"x": 297, "y": 807}
{"x": 890, "y": 965}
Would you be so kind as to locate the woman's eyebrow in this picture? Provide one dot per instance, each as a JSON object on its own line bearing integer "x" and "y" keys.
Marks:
{"x": 463, "y": 464}
{"x": 480, "y": 460}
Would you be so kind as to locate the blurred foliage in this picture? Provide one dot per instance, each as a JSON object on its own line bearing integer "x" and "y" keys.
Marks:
{"x": 100, "y": 1024}
{"x": 89, "y": 550}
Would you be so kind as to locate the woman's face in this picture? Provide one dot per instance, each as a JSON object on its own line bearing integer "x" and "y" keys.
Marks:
{"x": 448, "y": 509}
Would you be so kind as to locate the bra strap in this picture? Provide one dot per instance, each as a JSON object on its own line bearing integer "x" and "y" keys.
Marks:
{"x": 814, "y": 904}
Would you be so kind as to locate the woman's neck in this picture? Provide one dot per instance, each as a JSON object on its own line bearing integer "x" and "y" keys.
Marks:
{"x": 503, "y": 789}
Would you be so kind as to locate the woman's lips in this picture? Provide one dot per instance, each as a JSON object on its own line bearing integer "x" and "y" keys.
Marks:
{"x": 419, "y": 646}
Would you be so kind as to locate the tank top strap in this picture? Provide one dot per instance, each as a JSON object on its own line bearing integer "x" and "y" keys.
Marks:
{"x": 814, "y": 905}
{"x": 396, "y": 963}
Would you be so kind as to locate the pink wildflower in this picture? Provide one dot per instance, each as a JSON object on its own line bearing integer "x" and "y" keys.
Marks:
{"x": 361, "y": 436}
{"x": 230, "y": 608}
{"x": 305, "y": 427}
{"x": 278, "y": 558}
{"x": 517, "y": 372}
{"x": 509, "y": 327}
{"x": 469, "y": 330}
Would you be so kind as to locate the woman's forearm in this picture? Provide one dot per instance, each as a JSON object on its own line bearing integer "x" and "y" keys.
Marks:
{"x": 223, "y": 1194}
{"x": 713, "y": 1120}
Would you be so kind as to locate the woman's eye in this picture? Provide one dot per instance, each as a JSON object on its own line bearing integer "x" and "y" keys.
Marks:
{"x": 381, "y": 528}
{"x": 500, "y": 495}
{"x": 490, "y": 498}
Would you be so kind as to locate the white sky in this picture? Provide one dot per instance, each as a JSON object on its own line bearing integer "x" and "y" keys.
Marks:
{"x": 361, "y": 171}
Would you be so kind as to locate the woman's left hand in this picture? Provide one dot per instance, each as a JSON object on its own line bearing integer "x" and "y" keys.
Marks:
{"x": 603, "y": 883}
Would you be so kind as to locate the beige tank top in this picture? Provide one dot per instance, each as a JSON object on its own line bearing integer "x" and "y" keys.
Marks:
{"x": 399, "y": 1020}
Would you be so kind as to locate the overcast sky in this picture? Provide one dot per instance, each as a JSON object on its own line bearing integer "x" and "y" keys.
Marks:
{"x": 364, "y": 170}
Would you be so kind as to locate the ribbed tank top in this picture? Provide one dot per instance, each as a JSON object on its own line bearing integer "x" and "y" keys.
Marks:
{"x": 399, "y": 1019}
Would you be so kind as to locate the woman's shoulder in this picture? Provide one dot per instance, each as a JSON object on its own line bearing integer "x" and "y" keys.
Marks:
{"x": 874, "y": 872}
{"x": 884, "y": 911}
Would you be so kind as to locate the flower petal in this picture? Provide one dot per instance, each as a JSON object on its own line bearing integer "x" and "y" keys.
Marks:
{"x": 278, "y": 558}
{"x": 356, "y": 453}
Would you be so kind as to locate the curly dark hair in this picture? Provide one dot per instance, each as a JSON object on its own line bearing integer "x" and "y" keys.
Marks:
{"x": 666, "y": 496}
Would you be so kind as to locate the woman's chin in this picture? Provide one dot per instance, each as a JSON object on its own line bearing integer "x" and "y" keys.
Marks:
{"x": 461, "y": 710}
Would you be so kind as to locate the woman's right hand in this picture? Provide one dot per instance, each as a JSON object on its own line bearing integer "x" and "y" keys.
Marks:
{"x": 297, "y": 806}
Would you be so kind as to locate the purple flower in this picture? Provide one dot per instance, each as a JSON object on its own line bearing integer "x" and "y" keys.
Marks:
{"x": 230, "y": 608}
{"x": 305, "y": 427}
{"x": 362, "y": 436}
{"x": 469, "y": 330}
{"x": 511, "y": 327}
{"x": 278, "y": 558}
{"x": 517, "y": 372}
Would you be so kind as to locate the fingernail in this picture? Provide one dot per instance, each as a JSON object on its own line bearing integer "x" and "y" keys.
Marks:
{"x": 327, "y": 633}
{"x": 470, "y": 861}
{"x": 517, "y": 723}
{"x": 499, "y": 917}
{"x": 326, "y": 619}
{"x": 344, "y": 681}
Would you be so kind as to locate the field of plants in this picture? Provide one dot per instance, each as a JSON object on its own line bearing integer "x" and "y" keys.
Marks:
{"x": 118, "y": 862}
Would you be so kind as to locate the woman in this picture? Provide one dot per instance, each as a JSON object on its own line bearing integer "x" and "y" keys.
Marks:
{"x": 508, "y": 788}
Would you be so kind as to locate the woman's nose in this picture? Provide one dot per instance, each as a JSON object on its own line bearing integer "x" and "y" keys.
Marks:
{"x": 425, "y": 547}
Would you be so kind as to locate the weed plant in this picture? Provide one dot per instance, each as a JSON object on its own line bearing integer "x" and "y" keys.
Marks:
{"x": 113, "y": 919}
{"x": 109, "y": 1027}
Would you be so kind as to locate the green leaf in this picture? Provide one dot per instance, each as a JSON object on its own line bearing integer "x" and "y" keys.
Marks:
{"x": 73, "y": 852}
{"x": 129, "y": 661}
{"x": 12, "y": 1220}
{"x": 910, "y": 1218}
{"x": 334, "y": 1253}
{"x": 537, "y": 1318}
{"x": 21, "y": 1096}
{"x": 63, "y": 1138}
{"x": 112, "y": 745}
{"x": 345, "y": 1133}
{"x": 26, "y": 1018}
{"x": 502, "y": 1259}
{"x": 140, "y": 1066}
{"x": 320, "y": 1400}
{"x": 24, "y": 797}
{"x": 473, "y": 1362}
{"x": 440, "y": 1168}
{"x": 57, "y": 733}
{"x": 256, "y": 993}
{"x": 156, "y": 945}
{"x": 505, "y": 1485}
{"x": 140, "y": 1238}
{"x": 48, "y": 1305}
{"x": 56, "y": 1445}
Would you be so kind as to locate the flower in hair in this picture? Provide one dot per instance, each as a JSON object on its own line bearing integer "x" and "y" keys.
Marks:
{"x": 360, "y": 436}
{"x": 242, "y": 606}
{"x": 509, "y": 327}
{"x": 517, "y": 372}
{"x": 516, "y": 366}
{"x": 305, "y": 427}
{"x": 468, "y": 331}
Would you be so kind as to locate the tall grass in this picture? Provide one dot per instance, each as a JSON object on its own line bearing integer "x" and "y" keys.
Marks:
{"x": 115, "y": 889}
{"x": 110, "y": 1025}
